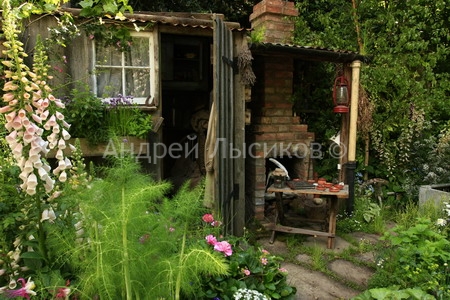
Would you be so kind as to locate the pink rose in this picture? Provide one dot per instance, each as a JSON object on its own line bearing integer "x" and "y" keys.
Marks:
{"x": 216, "y": 223}
{"x": 208, "y": 218}
{"x": 224, "y": 247}
{"x": 210, "y": 239}
{"x": 246, "y": 272}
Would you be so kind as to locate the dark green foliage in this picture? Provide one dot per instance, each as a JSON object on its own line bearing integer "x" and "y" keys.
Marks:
{"x": 394, "y": 293}
{"x": 405, "y": 80}
{"x": 92, "y": 8}
{"x": 264, "y": 275}
{"x": 86, "y": 114}
{"x": 234, "y": 10}
{"x": 415, "y": 257}
{"x": 312, "y": 101}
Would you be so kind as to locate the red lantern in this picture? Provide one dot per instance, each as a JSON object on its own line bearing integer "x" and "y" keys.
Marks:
{"x": 341, "y": 95}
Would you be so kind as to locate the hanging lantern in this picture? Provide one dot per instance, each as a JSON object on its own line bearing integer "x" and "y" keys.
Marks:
{"x": 341, "y": 95}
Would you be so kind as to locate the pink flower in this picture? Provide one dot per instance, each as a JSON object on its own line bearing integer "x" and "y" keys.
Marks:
{"x": 264, "y": 261}
{"x": 144, "y": 238}
{"x": 246, "y": 272}
{"x": 210, "y": 239}
{"x": 59, "y": 69}
{"x": 208, "y": 218}
{"x": 282, "y": 270}
{"x": 171, "y": 229}
{"x": 91, "y": 36}
{"x": 25, "y": 291}
{"x": 63, "y": 293}
{"x": 265, "y": 252}
{"x": 224, "y": 247}
{"x": 216, "y": 223}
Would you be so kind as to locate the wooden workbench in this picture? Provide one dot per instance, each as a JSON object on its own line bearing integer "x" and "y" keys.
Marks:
{"x": 331, "y": 198}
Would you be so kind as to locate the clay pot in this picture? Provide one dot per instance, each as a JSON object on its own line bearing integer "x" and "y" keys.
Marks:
{"x": 338, "y": 186}
{"x": 321, "y": 181}
{"x": 334, "y": 189}
{"x": 320, "y": 188}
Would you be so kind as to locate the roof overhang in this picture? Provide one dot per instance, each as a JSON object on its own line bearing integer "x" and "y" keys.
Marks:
{"x": 182, "y": 19}
{"x": 307, "y": 53}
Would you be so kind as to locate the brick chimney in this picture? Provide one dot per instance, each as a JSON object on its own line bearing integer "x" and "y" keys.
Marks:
{"x": 275, "y": 17}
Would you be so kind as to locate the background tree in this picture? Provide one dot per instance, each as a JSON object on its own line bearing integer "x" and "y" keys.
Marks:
{"x": 406, "y": 81}
{"x": 234, "y": 10}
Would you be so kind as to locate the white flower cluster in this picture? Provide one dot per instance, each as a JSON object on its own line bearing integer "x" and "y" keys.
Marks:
{"x": 247, "y": 294}
{"x": 447, "y": 208}
{"x": 30, "y": 110}
{"x": 443, "y": 222}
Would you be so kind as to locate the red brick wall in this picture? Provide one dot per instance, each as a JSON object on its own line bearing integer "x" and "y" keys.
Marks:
{"x": 273, "y": 16}
{"x": 274, "y": 131}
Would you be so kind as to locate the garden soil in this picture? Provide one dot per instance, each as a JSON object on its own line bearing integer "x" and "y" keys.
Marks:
{"x": 342, "y": 278}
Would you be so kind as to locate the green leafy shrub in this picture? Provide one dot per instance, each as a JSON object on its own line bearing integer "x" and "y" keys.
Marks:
{"x": 415, "y": 257}
{"x": 367, "y": 217}
{"x": 394, "y": 293}
{"x": 253, "y": 268}
{"x": 86, "y": 113}
{"x": 98, "y": 121}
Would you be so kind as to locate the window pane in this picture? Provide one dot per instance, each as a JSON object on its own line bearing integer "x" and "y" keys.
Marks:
{"x": 109, "y": 56}
{"x": 109, "y": 82}
{"x": 138, "y": 83}
{"x": 139, "y": 54}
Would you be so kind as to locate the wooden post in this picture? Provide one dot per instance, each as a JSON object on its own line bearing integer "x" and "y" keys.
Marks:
{"x": 356, "y": 66}
{"x": 351, "y": 164}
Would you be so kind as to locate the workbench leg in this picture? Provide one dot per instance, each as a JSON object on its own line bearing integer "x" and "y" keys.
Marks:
{"x": 279, "y": 213}
{"x": 332, "y": 223}
{"x": 272, "y": 238}
{"x": 279, "y": 208}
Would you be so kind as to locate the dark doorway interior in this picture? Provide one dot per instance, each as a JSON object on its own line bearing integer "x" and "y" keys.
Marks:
{"x": 186, "y": 88}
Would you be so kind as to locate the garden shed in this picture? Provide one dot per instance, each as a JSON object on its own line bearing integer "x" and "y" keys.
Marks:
{"x": 217, "y": 101}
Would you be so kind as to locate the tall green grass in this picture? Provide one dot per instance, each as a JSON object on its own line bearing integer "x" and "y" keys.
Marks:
{"x": 136, "y": 243}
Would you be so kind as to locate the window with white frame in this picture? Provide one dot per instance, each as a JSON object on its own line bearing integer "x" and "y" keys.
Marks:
{"x": 127, "y": 73}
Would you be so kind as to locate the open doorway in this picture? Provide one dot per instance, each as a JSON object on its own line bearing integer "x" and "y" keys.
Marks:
{"x": 186, "y": 87}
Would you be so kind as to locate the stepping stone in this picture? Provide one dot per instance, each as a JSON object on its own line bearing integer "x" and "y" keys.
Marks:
{"x": 351, "y": 272}
{"x": 321, "y": 241}
{"x": 313, "y": 285}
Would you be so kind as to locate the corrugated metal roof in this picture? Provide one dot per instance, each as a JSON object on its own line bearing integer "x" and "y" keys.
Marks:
{"x": 206, "y": 21}
{"x": 307, "y": 52}
{"x": 182, "y": 19}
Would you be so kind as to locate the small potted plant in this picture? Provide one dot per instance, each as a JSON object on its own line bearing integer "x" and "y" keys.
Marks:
{"x": 126, "y": 119}
{"x": 99, "y": 122}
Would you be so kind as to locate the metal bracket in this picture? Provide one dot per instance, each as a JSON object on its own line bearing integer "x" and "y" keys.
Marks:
{"x": 231, "y": 63}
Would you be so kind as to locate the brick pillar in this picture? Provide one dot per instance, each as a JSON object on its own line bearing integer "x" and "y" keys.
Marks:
{"x": 274, "y": 131}
{"x": 275, "y": 17}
